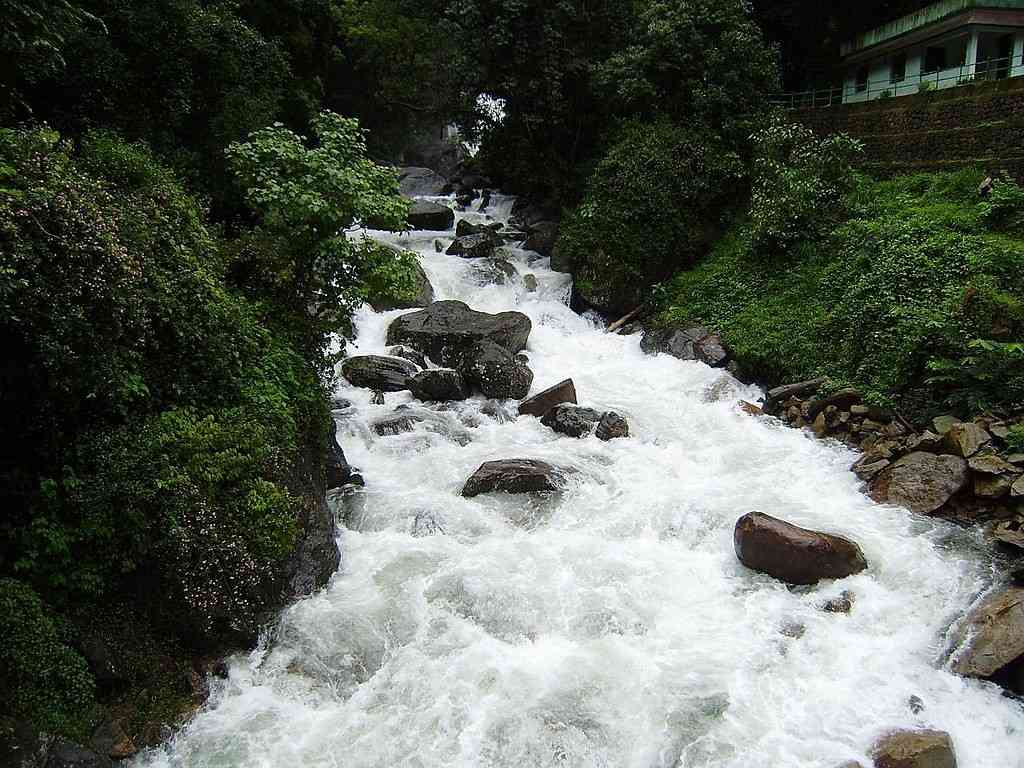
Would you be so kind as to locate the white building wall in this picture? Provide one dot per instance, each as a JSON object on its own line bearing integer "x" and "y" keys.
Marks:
{"x": 1018, "y": 55}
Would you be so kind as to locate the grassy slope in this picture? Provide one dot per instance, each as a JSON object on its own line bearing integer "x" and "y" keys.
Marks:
{"x": 889, "y": 302}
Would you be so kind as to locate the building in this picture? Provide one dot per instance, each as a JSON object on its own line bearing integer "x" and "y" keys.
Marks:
{"x": 947, "y": 44}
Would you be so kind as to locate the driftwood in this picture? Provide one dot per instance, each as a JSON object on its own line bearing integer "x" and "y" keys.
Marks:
{"x": 622, "y": 321}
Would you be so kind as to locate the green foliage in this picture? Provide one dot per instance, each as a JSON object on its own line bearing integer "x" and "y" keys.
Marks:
{"x": 186, "y": 76}
{"x": 45, "y": 681}
{"x": 910, "y": 299}
{"x": 651, "y": 207}
{"x": 800, "y": 184}
{"x": 1015, "y": 438}
{"x": 33, "y": 33}
{"x": 566, "y": 70}
{"x": 1003, "y": 208}
{"x": 387, "y": 275}
{"x": 703, "y": 61}
{"x": 157, "y": 419}
{"x": 305, "y": 197}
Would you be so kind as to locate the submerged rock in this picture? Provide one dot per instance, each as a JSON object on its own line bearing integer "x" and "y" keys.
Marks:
{"x": 431, "y": 216}
{"x": 914, "y": 749}
{"x": 992, "y": 636}
{"x": 383, "y": 374}
{"x": 572, "y": 420}
{"x": 446, "y": 330}
{"x": 793, "y": 554}
{"x": 495, "y": 271}
{"x": 514, "y": 476}
{"x": 921, "y": 482}
{"x": 438, "y": 384}
{"x": 612, "y": 426}
{"x": 495, "y": 371}
{"x": 563, "y": 392}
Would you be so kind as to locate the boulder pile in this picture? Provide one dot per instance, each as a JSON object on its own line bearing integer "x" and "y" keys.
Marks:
{"x": 962, "y": 470}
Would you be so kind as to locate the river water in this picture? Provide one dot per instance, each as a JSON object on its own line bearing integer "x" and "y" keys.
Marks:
{"x": 610, "y": 625}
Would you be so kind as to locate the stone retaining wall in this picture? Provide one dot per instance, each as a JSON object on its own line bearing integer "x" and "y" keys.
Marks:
{"x": 976, "y": 125}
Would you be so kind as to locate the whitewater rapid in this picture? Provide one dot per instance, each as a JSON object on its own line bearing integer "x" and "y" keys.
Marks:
{"x": 610, "y": 625}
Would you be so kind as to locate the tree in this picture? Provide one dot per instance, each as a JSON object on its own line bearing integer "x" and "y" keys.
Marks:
{"x": 305, "y": 197}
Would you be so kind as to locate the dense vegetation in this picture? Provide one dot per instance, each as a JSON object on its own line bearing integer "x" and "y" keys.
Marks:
{"x": 165, "y": 378}
{"x": 907, "y": 289}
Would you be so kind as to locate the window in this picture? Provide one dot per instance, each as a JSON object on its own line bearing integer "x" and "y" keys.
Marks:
{"x": 899, "y": 68}
{"x": 862, "y": 79}
{"x": 934, "y": 59}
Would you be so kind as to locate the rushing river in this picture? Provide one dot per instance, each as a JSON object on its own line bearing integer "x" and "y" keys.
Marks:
{"x": 610, "y": 625}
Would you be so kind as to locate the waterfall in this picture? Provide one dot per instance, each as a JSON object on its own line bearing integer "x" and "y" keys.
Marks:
{"x": 610, "y": 624}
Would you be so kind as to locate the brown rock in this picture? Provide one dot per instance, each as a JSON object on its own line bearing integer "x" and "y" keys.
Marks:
{"x": 866, "y": 470}
{"x": 921, "y": 482}
{"x": 1010, "y": 532}
{"x": 750, "y": 408}
{"x": 793, "y": 554}
{"x": 782, "y": 394}
{"x": 110, "y": 739}
{"x": 514, "y": 476}
{"x": 842, "y": 400}
{"x": 926, "y": 441}
{"x": 942, "y": 424}
{"x": 1017, "y": 489}
{"x": 991, "y": 464}
{"x": 992, "y": 486}
{"x": 914, "y": 749}
{"x": 542, "y": 402}
{"x": 992, "y": 635}
{"x": 966, "y": 439}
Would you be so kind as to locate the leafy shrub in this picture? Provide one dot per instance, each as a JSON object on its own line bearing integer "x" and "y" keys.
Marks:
{"x": 652, "y": 206}
{"x": 1004, "y": 206}
{"x": 44, "y": 680}
{"x": 159, "y": 419}
{"x": 799, "y": 184}
{"x": 910, "y": 299}
{"x": 387, "y": 275}
{"x": 305, "y": 197}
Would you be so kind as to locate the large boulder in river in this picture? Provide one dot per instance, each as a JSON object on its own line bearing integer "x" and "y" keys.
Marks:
{"x": 992, "y": 636}
{"x": 687, "y": 343}
{"x": 495, "y": 371}
{"x": 542, "y": 402}
{"x": 478, "y": 246}
{"x": 432, "y": 216}
{"x": 384, "y": 374}
{"x": 793, "y": 554}
{"x": 922, "y": 482}
{"x": 438, "y": 385}
{"x": 914, "y": 749}
{"x": 446, "y": 330}
{"x": 515, "y": 476}
{"x": 414, "y": 181}
{"x": 572, "y": 420}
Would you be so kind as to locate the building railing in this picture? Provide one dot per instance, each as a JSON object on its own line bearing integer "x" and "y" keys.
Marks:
{"x": 966, "y": 74}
